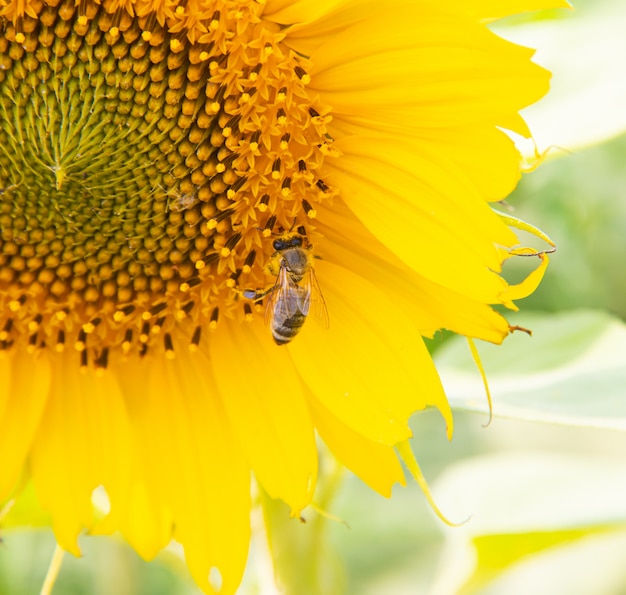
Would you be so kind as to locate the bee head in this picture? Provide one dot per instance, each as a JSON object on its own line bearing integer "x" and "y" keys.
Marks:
{"x": 291, "y": 241}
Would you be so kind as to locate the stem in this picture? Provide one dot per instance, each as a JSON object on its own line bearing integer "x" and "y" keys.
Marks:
{"x": 53, "y": 571}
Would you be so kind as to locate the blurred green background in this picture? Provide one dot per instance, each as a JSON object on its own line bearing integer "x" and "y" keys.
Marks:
{"x": 544, "y": 488}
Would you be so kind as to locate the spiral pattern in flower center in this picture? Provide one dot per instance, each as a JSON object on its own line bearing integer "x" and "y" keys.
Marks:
{"x": 145, "y": 159}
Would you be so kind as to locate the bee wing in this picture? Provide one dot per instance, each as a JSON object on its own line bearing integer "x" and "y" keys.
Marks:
{"x": 286, "y": 298}
{"x": 314, "y": 296}
{"x": 272, "y": 297}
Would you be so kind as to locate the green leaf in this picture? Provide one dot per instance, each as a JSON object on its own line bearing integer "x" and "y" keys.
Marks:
{"x": 524, "y": 508}
{"x": 496, "y": 553}
{"x": 572, "y": 371}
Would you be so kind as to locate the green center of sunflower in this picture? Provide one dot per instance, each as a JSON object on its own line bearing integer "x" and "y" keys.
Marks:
{"x": 144, "y": 163}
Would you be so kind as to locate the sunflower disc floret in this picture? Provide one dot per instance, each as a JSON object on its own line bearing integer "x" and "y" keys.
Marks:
{"x": 145, "y": 158}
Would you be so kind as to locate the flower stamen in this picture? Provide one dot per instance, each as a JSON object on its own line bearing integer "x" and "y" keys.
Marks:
{"x": 150, "y": 162}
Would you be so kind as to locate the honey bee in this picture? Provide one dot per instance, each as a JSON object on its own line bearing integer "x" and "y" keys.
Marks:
{"x": 295, "y": 289}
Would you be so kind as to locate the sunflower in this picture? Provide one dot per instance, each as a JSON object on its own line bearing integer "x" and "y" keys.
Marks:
{"x": 164, "y": 166}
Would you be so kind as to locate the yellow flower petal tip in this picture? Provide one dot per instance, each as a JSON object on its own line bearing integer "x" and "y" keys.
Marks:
{"x": 329, "y": 516}
{"x": 483, "y": 375}
{"x": 538, "y": 157}
{"x": 227, "y": 226}
{"x": 516, "y": 223}
{"x": 528, "y": 285}
{"x": 408, "y": 458}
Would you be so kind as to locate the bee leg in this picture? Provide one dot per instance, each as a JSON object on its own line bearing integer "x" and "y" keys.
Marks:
{"x": 254, "y": 295}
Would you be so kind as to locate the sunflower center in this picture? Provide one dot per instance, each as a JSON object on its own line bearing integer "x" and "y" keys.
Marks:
{"x": 145, "y": 159}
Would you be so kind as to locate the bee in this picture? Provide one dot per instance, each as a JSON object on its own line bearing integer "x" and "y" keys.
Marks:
{"x": 295, "y": 289}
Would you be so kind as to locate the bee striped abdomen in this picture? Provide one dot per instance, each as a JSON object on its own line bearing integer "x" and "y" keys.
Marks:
{"x": 284, "y": 331}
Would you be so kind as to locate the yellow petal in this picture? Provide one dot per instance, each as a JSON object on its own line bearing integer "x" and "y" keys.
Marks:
{"x": 485, "y": 156}
{"x": 489, "y": 10}
{"x": 146, "y": 517}
{"x": 439, "y": 70}
{"x": 264, "y": 399}
{"x": 370, "y": 367}
{"x": 480, "y": 153}
{"x": 213, "y": 505}
{"x": 528, "y": 285}
{"x": 315, "y": 23}
{"x": 415, "y": 215}
{"x": 287, "y": 12}
{"x": 194, "y": 472}
{"x": 143, "y": 520}
{"x": 83, "y": 443}
{"x": 24, "y": 391}
{"x": 376, "y": 464}
{"x": 430, "y": 306}
{"x": 407, "y": 456}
